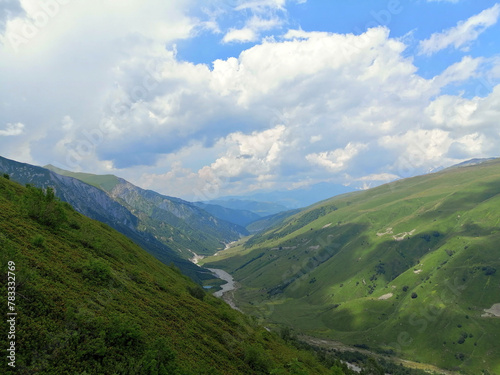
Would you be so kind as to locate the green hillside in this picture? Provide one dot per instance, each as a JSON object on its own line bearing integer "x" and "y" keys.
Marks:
{"x": 89, "y": 301}
{"x": 104, "y": 182}
{"x": 407, "y": 269}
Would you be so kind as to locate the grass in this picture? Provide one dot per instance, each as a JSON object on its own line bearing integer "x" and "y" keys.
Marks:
{"x": 323, "y": 269}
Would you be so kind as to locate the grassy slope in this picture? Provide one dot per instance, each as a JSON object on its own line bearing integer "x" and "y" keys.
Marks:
{"x": 323, "y": 270}
{"x": 90, "y": 301}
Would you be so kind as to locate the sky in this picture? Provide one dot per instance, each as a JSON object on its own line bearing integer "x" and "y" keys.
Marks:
{"x": 205, "y": 98}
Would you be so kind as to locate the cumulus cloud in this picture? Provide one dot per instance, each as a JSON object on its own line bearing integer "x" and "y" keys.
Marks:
{"x": 108, "y": 94}
{"x": 12, "y": 130}
{"x": 336, "y": 160}
{"x": 462, "y": 34}
{"x": 252, "y": 29}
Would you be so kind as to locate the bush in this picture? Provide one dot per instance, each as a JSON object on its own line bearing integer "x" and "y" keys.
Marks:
{"x": 197, "y": 292}
{"x": 414, "y": 295}
{"x": 38, "y": 241}
{"x": 488, "y": 271}
{"x": 96, "y": 271}
{"x": 6, "y": 176}
{"x": 43, "y": 206}
{"x": 257, "y": 358}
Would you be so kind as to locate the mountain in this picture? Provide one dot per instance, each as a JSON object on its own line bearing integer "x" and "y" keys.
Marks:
{"x": 281, "y": 200}
{"x": 408, "y": 268}
{"x": 259, "y": 208}
{"x": 179, "y": 224}
{"x": 471, "y": 162}
{"x": 96, "y": 204}
{"x": 239, "y": 217}
{"x": 90, "y": 301}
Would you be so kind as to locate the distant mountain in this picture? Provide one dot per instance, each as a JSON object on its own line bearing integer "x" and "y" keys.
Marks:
{"x": 283, "y": 200}
{"x": 90, "y": 301}
{"x": 96, "y": 204}
{"x": 410, "y": 268}
{"x": 181, "y": 225}
{"x": 239, "y": 217}
{"x": 261, "y": 209}
{"x": 472, "y": 162}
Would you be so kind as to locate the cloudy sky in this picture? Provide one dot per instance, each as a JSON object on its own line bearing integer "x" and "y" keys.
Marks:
{"x": 201, "y": 98}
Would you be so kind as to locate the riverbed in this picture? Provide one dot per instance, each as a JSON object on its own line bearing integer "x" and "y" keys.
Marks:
{"x": 226, "y": 293}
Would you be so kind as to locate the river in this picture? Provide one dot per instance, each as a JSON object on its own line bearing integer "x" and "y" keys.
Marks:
{"x": 228, "y": 287}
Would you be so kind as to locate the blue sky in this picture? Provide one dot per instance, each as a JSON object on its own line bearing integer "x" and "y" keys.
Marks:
{"x": 200, "y": 99}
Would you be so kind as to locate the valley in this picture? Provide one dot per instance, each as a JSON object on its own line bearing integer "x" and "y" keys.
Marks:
{"x": 405, "y": 272}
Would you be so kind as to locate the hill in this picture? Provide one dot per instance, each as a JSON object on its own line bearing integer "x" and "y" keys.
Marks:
{"x": 90, "y": 301}
{"x": 408, "y": 268}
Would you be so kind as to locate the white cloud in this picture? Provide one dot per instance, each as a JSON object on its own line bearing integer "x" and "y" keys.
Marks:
{"x": 252, "y": 29}
{"x": 12, "y": 130}
{"x": 462, "y": 34}
{"x": 336, "y": 160}
{"x": 104, "y": 97}
{"x": 458, "y": 72}
{"x": 385, "y": 177}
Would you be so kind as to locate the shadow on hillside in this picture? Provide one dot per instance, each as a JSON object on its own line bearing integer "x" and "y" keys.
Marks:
{"x": 463, "y": 201}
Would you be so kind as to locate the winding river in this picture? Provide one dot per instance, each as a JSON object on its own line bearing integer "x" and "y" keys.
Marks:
{"x": 229, "y": 286}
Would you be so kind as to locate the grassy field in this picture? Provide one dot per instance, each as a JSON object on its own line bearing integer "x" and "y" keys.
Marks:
{"x": 407, "y": 268}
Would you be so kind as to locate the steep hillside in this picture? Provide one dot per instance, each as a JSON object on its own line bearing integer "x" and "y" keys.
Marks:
{"x": 89, "y": 301}
{"x": 408, "y": 268}
{"x": 176, "y": 223}
{"x": 96, "y": 204}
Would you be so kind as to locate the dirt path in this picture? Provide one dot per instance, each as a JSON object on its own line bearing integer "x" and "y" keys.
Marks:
{"x": 330, "y": 344}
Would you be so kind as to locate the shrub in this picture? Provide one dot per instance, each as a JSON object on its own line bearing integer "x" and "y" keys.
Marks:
{"x": 197, "y": 292}
{"x": 6, "y": 176}
{"x": 405, "y": 288}
{"x": 97, "y": 271}
{"x": 38, "y": 241}
{"x": 488, "y": 271}
{"x": 74, "y": 225}
{"x": 414, "y": 295}
{"x": 43, "y": 206}
{"x": 257, "y": 358}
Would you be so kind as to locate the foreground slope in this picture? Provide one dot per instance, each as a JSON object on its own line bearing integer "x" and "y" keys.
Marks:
{"x": 408, "y": 268}
{"x": 89, "y": 301}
